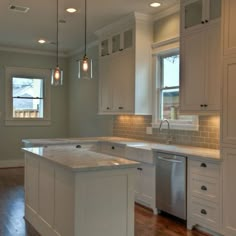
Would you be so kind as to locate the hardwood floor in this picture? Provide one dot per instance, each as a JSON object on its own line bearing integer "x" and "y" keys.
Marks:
{"x": 12, "y": 222}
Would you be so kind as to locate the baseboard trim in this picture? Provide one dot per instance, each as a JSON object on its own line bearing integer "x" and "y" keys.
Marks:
{"x": 11, "y": 163}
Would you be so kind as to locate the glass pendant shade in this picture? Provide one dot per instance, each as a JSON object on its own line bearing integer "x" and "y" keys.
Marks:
{"x": 85, "y": 68}
{"x": 57, "y": 76}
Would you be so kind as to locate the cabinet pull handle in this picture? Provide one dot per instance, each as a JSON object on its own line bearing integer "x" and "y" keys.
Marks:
{"x": 203, "y": 165}
{"x": 204, "y": 188}
{"x": 120, "y": 108}
{"x": 112, "y": 147}
{"x": 139, "y": 168}
{"x": 204, "y": 212}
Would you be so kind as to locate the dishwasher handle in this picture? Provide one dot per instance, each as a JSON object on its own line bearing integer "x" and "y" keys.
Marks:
{"x": 169, "y": 160}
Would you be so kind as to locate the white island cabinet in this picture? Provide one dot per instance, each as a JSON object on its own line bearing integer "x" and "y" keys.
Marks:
{"x": 77, "y": 192}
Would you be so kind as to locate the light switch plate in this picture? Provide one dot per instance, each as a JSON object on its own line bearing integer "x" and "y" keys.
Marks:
{"x": 148, "y": 130}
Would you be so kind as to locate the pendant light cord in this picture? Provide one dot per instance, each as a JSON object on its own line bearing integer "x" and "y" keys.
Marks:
{"x": 57, "y": 30}
{"x": 85, "y": 29}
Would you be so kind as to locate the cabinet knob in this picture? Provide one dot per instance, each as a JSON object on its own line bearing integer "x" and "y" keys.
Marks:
{"x": 204, "y": 212}
{"x": 206, "y": 21}
{"x": 121, "y": 49}
{"x": 203, "y": 22}
{"x": 204, "y": 188}
{"x": 139, "y": 168}
{"x": 205, "y": 105}
{"x": 113, "y": 147}
{"x": 108, "y": 108}
{"x": 204, "y": 165}
{"x": 201, "y": 105}
{"x": 120, "y": 108}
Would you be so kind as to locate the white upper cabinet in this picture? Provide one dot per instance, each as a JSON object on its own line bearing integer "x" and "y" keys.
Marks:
{"x": 125, "y": 66}
{"x": 200, "y": 70}
{"x": 229, "y": 29}
{"x": 197, "y": 13}
{"x": 200, "y": 57}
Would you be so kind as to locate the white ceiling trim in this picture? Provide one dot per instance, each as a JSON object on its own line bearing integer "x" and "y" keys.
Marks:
{"x": 175, "y": 8}
{"x": 31, "y": 51}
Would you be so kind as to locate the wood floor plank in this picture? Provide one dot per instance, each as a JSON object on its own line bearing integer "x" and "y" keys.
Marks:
{"x": 12, "y": 221}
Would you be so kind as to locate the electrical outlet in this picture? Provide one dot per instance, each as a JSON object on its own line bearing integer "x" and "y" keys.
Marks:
{"x": 148, "y": 130}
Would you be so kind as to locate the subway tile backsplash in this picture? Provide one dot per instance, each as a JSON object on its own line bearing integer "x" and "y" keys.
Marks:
{"x": 135, "y": 127}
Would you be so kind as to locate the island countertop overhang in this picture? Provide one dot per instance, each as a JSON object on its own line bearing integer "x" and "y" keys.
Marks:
{"x": 80, "y": 159}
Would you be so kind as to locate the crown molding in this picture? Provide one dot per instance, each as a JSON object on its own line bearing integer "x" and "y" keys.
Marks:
{"x": 81, "y": 49}
{"x": 31, "y": 51}
{"x": 166, "y": 42}
{"x": 171, "y": 10}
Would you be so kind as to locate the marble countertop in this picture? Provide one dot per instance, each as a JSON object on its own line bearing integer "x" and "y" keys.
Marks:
{"x": 80, "y": 159}
{"x": 189, "y": 151}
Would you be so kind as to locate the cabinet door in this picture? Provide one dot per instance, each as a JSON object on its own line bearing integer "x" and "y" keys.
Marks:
{"x": 229, "y": 192}
{"x": 229, "y": 29}
{"x": 229, "y": 98}
{"x": 193, "y": 13}
{"x": 105, "y": 84}
{"x": 123, "y": 78}
{"x": 145, "y": 185}
{"x": 193, "y": 63}
{"x": 213, "y": 67}
{"x": 214, "y": 9}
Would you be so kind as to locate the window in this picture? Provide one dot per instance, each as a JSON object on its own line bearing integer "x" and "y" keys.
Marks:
{"x": 28, "y": 96}
{"x": 167, "y": 81}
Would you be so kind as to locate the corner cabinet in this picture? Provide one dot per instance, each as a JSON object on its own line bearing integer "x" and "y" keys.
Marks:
{"x": 125, "y": 66}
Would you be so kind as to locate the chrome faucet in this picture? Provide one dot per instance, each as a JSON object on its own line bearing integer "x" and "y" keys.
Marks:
{"x": 162, "y": 121}
{"x": 169, "y": 137}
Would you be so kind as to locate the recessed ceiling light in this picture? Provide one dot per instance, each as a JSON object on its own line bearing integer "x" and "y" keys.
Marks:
{"x": 41, "y": 41}
{"x": 71, "y": 10}
{"x": 155, "y": 4}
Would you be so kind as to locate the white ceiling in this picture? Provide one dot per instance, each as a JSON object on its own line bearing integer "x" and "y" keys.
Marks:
{"x": 22, "y": 30}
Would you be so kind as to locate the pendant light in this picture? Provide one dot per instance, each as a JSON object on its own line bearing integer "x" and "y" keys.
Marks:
{"x": 57, "y": 73}
{"x": 85, "y": 64}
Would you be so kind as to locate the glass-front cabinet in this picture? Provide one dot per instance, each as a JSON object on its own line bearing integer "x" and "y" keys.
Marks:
{"x": 200, "y": 12}
{"x": 116, "y": 43}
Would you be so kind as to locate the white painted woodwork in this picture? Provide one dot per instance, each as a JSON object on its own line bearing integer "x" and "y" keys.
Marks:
{"x": 229, "y": 191}
{"x": 145, "y": 179}
{"x": 229, "y": 29}
{"x": 62, "y": 202}
{"x": 228, "y": 101}
{"x": 128, "y": 90}
{"x": 200, "y": 70}
{"x": 204, "y": 197}
{"x": 198, "y": 13}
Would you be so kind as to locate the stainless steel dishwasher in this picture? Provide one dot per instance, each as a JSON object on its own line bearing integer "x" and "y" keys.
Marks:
{"x": 171, "y": 184}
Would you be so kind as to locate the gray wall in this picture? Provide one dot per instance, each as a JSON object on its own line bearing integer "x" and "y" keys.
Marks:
{"x": 11, "y": 136}
{"x": 83, "y": 102}
{"x": 166, "y": 28}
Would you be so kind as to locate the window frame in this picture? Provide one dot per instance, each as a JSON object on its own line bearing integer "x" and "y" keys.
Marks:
{"x": 23, "y": 72}
{"x": 164, "y": 48}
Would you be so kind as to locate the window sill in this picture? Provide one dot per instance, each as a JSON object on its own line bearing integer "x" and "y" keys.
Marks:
{"x": 27, "y": 122}
{"x": 177, "y": 125}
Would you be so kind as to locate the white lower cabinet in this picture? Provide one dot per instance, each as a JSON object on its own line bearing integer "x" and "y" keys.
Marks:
{"x": 145, "y": 188}
{"x": 204, "y": 195}
{"x": 229, "y": 191}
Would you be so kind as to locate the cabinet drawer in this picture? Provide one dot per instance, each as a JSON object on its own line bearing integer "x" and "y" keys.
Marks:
{"x": 204, "y": 168}
{"x": 205, "y": 187}
{"x": 205, "y": 213}
{"x": 113, "y": 149}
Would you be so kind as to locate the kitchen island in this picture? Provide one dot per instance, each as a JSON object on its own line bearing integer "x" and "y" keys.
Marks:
{"x": 74, "y": 191}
